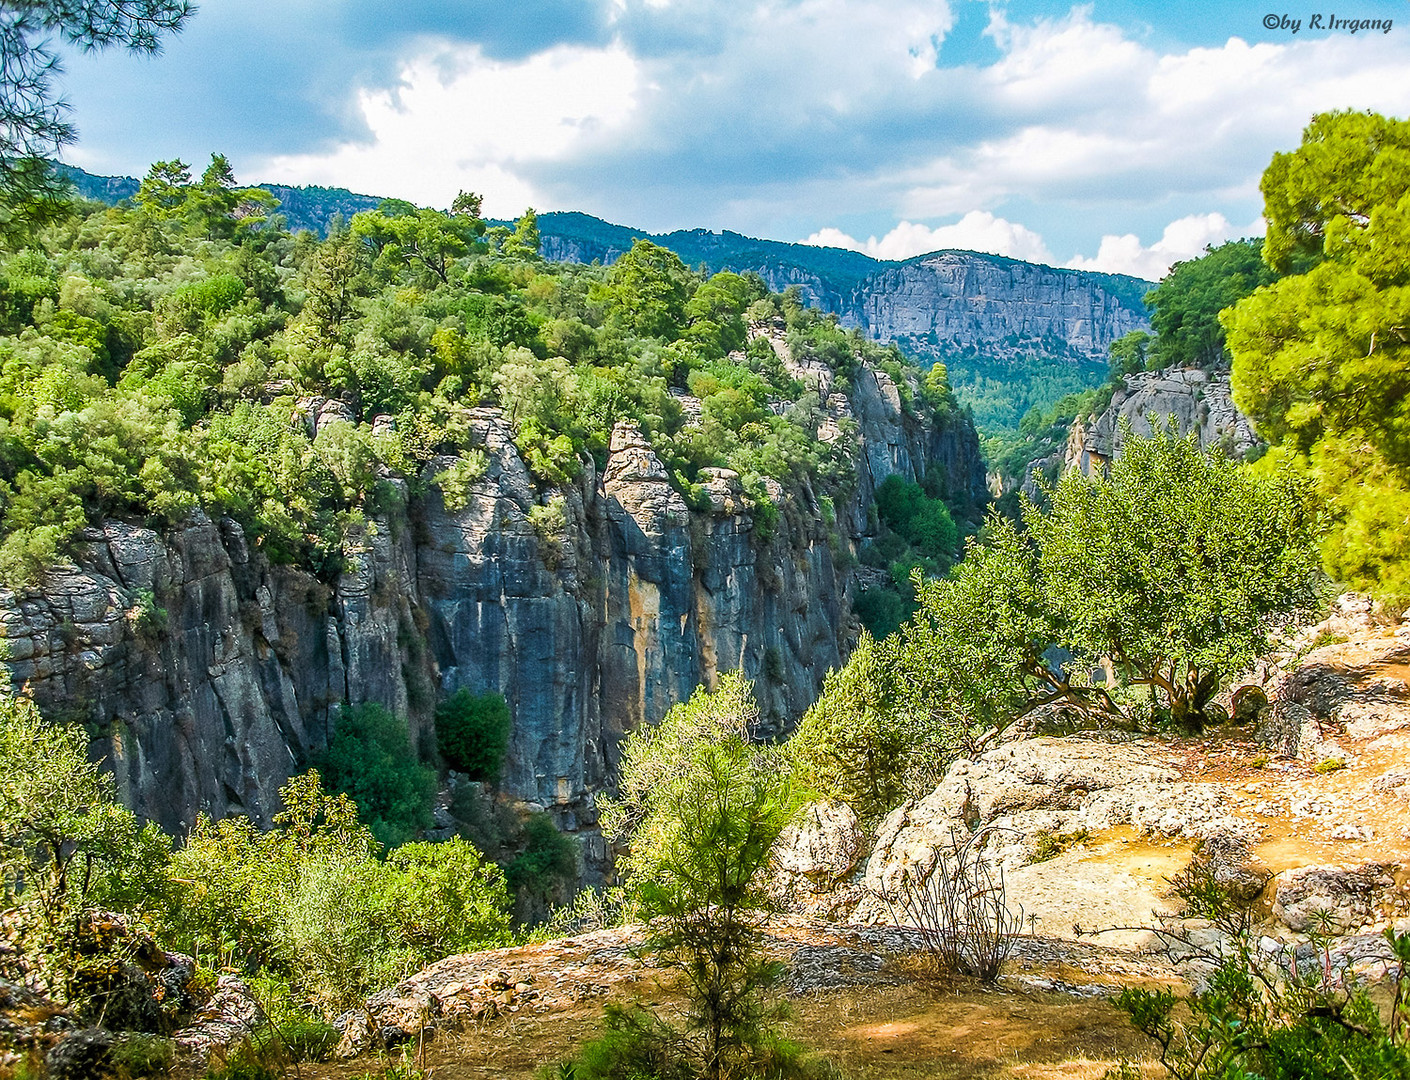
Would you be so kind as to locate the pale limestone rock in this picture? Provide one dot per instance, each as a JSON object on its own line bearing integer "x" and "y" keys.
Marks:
{"x": 822, "y": 847}
{"x": 1347, "y": 896}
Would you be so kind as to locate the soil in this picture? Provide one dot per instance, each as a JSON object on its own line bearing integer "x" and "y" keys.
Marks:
{"x": 865, "y": 1002}
{"x": 915, "y": 1030}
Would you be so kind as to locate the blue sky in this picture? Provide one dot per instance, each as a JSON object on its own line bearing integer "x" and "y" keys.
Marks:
{"x": 1117, "y": 135}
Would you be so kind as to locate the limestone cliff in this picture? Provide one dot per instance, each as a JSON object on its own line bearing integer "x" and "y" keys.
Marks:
{"x": 1191, "y": 399}
{"x": 958, "y": 298}
{"x": 206, "y": 675}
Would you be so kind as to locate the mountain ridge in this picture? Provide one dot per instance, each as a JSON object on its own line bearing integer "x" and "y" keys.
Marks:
{"x": 1013, "y": 334}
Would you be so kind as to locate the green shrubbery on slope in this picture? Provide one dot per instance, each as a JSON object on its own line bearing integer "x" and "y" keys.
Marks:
{"x": 154, "y": 356}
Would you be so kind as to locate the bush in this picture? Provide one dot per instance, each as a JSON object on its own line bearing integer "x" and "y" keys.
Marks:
{"x": 472, "y": 733}
{"x": 701, "y": 807}
{"x": 960, "y": 909}
{"x": 1275, "y": 1016}
{"x": 549, "y": 858}
{"x": 369, "y": 758}
{"x": 310, "y": 901}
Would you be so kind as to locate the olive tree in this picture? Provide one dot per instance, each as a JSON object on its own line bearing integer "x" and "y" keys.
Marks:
{"x": 1177, "y": 566}
{"x": 1166, "y": 575}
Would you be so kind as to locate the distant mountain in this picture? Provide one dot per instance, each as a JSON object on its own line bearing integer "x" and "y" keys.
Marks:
{"x": 311, "y": 208}
{"x": 1012, "y": 334}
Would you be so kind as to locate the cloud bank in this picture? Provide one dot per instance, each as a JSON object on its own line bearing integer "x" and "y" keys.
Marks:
{"x": 1059, "y": 137}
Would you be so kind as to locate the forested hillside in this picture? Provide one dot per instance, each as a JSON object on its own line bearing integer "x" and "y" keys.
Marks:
{"x": 415, "y": 458}
{"x": 1014, "y": 336}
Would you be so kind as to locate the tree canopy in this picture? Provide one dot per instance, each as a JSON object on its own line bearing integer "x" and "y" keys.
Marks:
{"x": 1150, "y": 584}
{"x": 1185, "y": 306}
{"x": 152, "y": 355}
{"x": 1322, "y": 358}
{"x": 33, "y": 119}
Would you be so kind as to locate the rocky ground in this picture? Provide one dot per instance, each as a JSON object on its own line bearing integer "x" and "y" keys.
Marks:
{"x": 1304, "y": 808}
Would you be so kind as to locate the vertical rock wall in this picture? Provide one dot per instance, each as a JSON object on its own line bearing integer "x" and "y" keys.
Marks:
{"x": 207, "y": 676}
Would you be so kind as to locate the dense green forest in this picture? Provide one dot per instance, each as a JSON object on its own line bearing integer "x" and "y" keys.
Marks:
{"x": 998, "y": 382}
{"x": 155, "y": 351}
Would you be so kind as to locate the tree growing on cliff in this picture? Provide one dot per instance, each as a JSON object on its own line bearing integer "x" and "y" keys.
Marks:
{"x": 1170, "y": 573}
{"x": 1177, "y": 567}
{"x": 1185, "y": 306}
{"x": 370, "y": 758}
{"x": 1322, "y": 358}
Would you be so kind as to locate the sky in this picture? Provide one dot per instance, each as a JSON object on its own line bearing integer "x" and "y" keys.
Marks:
{"x": 1117, "y": 135}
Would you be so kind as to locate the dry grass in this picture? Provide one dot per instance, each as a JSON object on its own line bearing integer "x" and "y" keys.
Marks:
{"x": 919, "y": 1030}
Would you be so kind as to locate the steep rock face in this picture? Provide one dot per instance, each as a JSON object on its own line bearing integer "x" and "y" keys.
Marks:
{"x": 200, "y": 670}
{"x": 1193, "y": 400}
{"x": 207, "y": 676}
{"x": 958, "y": 298}
{"x": 1196, "y": 401}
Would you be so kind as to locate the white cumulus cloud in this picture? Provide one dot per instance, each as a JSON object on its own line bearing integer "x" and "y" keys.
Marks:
{"x": 457, "y": 120}
{"x": 1183, "y": 239}
{"x": 978, "y": 230}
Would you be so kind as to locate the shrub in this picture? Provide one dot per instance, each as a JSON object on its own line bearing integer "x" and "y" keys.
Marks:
{"x": 960, "y": 909}
{"x": 549, "y": 858}
{"x": 1270, "y": 1015}
{"x": 369, "y": 758}
{"x": 307, "y": 1038}
{"x": 702, "y": 808}
{"x": 472, "y": 733}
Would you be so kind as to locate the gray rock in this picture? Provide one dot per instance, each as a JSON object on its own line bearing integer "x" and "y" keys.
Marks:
{"x": 1337, "y": 897}
{"x": 231, "y": 1014}
{"x": 210, "y": 675}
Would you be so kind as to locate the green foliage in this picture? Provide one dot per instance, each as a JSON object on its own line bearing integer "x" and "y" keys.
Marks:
{"x": 308, "y": 1039}
{"x": 137, "y": 1055}
{"x": 472, "y": 733}
{"x": 311, "y": 901}
{"x": 33, "y": 127}
{"x": 153, "y": 355}
{"x": 1320, "y": 357}
{"x": 646, "y": 291}
{"x": 369, "y": 757}
{"x": 458, "y": 479}
{"x": 415, "y": 245}
{"x": 882, "y": 611}
{"x": 1185, "y": 306}
{"x": 1175, "y": 568}
{"x": 1130, "y": 353}
{"x": 549, "y": 860}
{"x": 1271, "y": 1016}
{"x": 853, "y": 744}
{"x": 922, "y": 521}
{"x": 701, "y": 808}
{"x": 66, "y": 848}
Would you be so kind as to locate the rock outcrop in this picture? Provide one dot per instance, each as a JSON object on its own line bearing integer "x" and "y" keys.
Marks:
{"x": 957, "y": 298}
{"x": 1305, "y": 822}
{"x": 207, "y": 675}
{"x": 1191, "y": 399}
{"x": 1196, "y": 401}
